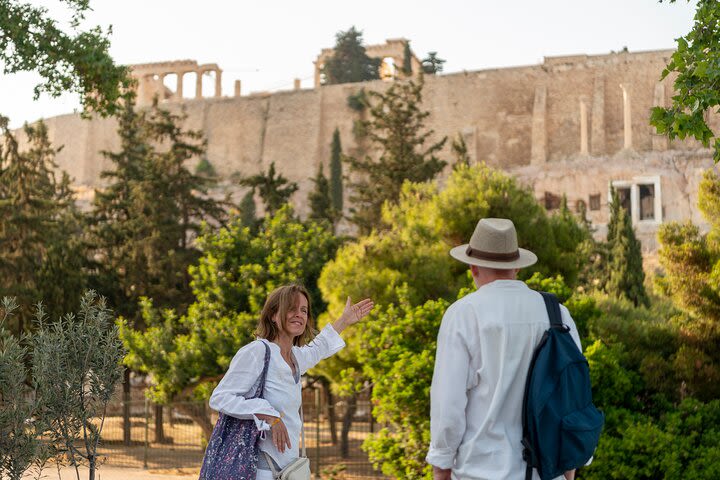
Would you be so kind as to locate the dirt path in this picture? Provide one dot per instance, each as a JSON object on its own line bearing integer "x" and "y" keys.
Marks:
{"x": 116, "y": 473}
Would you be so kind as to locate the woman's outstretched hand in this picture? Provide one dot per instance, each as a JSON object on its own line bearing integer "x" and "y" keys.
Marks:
{"x": 353, "y": 313}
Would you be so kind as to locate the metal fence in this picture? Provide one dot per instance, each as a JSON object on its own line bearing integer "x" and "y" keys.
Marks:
{"x": 171, "y": 437}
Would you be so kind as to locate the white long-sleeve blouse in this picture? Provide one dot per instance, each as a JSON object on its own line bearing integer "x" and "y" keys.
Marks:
{"x": 282, "y": 390}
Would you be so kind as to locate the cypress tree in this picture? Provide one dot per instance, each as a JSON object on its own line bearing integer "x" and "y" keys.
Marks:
{"x": 407, "y": 60}
{"x": 336, "y": 175}
{"x": 625, "y": 277}
{"x": 247, "y": 211}
{"x": 321, "y": 207}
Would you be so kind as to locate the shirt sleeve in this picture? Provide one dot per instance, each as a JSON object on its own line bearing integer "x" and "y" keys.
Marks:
{"x": 568, "y": 320}
{"x": 448, "y": 392}
{"x": 244, "y": 371}
{"x": 327, "y": 343}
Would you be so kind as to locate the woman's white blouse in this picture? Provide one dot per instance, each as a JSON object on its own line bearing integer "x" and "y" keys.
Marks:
{"x": 282, "y": 391}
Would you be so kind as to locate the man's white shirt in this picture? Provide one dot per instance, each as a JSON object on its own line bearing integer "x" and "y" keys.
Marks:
{"x": 484, "y": 348}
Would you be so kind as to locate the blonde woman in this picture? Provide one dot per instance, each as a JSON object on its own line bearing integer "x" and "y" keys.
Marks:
{"x": 286, "y": 325}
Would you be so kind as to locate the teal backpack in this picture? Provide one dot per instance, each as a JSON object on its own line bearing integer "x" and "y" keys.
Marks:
{"x": 561, "y": 426}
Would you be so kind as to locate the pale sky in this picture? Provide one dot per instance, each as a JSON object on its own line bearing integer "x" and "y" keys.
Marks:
{"x": 268, "y": 43}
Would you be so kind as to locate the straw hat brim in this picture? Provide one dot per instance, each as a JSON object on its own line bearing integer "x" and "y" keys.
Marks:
{"x": 526, "y": 259}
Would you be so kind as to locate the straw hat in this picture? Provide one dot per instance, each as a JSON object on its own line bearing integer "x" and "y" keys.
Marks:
{"x": 494, "y": 245}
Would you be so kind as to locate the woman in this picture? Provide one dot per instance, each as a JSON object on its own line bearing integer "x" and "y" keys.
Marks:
{"x": 287, "y": 326}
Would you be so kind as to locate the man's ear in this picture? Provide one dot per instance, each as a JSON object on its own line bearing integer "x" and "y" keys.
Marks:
{"x": 474, "y": 270}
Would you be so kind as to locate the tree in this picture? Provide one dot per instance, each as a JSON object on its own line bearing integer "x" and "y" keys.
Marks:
{"x": 407, "y": 265}
{"x": 188, "y": 353}
{"x": 321, "y": 208}
{"x": 40, "y": 251}
{"x": 336, "y": 173}
{"x": 247, "y": 210}
{"x": 625, "y": 276}
{"x": 349, "y": 62}
{"x": 275, "y": 191}
{"x": 696, "y": 81}
{"x": 460, "y": 151}
{"x": 397, "y": 129}
{"x": 20, "y": 445}
{"x": 73, "y": 397}
{"x": 144, "y": 219}
{"x": 152, "y": 206}
{"x": 432, "y": 64}
{"x": 407, "y": 60}
{"x": 30, "y": 40}
{"x": 690, "y": 260}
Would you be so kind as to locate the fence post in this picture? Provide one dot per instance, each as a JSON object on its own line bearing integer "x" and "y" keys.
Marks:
{"x": 147, "y": 433}
{"x": 317, "y": 433}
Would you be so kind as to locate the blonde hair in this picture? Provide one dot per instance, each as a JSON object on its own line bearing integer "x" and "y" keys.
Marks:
{"x": 279, "y": 302}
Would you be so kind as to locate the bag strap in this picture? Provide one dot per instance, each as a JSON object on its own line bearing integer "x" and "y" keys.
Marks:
{"x": 260, "y": 392}
{"x": 552, "y": 305}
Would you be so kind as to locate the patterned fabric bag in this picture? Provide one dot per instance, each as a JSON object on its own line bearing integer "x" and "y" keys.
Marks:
{"x": 232, "y": 452}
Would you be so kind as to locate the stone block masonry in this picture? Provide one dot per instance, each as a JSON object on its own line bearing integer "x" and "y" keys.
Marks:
{"x": 571, "y": 125}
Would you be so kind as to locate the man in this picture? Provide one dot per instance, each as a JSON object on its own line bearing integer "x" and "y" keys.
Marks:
{"x": 484, "y": 348}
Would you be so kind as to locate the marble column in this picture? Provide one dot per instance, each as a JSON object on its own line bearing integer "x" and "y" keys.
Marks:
{"x": 218, "y": 83}
{"x": 538, "y": 146}
{"x": 583, "y": 127}
{"x": 179, "y": 90}
{"x": 237, "y": 88}
{"x": 597, "y": 137}
{"x": 198, "y": 84}
{"x": 627, "y": 117}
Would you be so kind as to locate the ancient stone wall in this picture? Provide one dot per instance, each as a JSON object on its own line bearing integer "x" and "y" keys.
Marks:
{"x": 568, "y": 126}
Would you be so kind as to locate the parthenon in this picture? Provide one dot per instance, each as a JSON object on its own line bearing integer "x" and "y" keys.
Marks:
{"x": 150, "y": 79}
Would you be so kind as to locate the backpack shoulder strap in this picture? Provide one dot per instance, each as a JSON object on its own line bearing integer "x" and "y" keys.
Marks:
{"x": 553, "y": 308}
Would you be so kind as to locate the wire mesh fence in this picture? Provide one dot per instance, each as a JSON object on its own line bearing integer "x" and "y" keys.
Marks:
{"x": 173, "y": 436}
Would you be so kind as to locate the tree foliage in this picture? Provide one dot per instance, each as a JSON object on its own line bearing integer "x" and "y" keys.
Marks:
{"x": 625, "y": 275}
{"x": 321, "y": 205}
{"x": 74, "y": 397}
{"x": 55, "y": 385}
{"x": 336, "y": 173}
{"x": 690, "y": 260}
{"x": 397, "y": 130}
{"x": 187, "y": 354}
{"x": 79, "y": 61}
{"x": 694, "y": 61}
{"x": 152, "y": 206}
{"x": 274, "y": 189}
{"x": 406, "y": 269}
{"x": 20, "y": 445}
{"x": 407, "y": 60}
{"x": 41, "y": 255}
{"x": 349, "y": 61}
{"x": 432, "y": 64}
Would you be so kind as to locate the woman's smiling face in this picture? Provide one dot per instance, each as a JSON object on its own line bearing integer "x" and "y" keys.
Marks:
{"x": 297, "y": 317}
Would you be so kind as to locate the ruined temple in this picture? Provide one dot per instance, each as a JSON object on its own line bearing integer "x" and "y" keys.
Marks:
{"x": 572, "y": 125}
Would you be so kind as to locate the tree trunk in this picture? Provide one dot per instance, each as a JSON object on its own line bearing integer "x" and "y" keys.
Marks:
{"x": 200, "y": 415}
{"x": 159, "y": 429}
{"x": 330, "y": 401}
{"x": 91, "y": 467}
{"x": 347, "y": 423}
{"x": 126, "y": 407}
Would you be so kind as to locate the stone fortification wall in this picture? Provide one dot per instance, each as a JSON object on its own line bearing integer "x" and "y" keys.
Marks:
{"x": 568, "y": 126}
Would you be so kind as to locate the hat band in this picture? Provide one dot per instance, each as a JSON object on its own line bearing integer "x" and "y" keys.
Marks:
{"x": 493, "y": 256}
